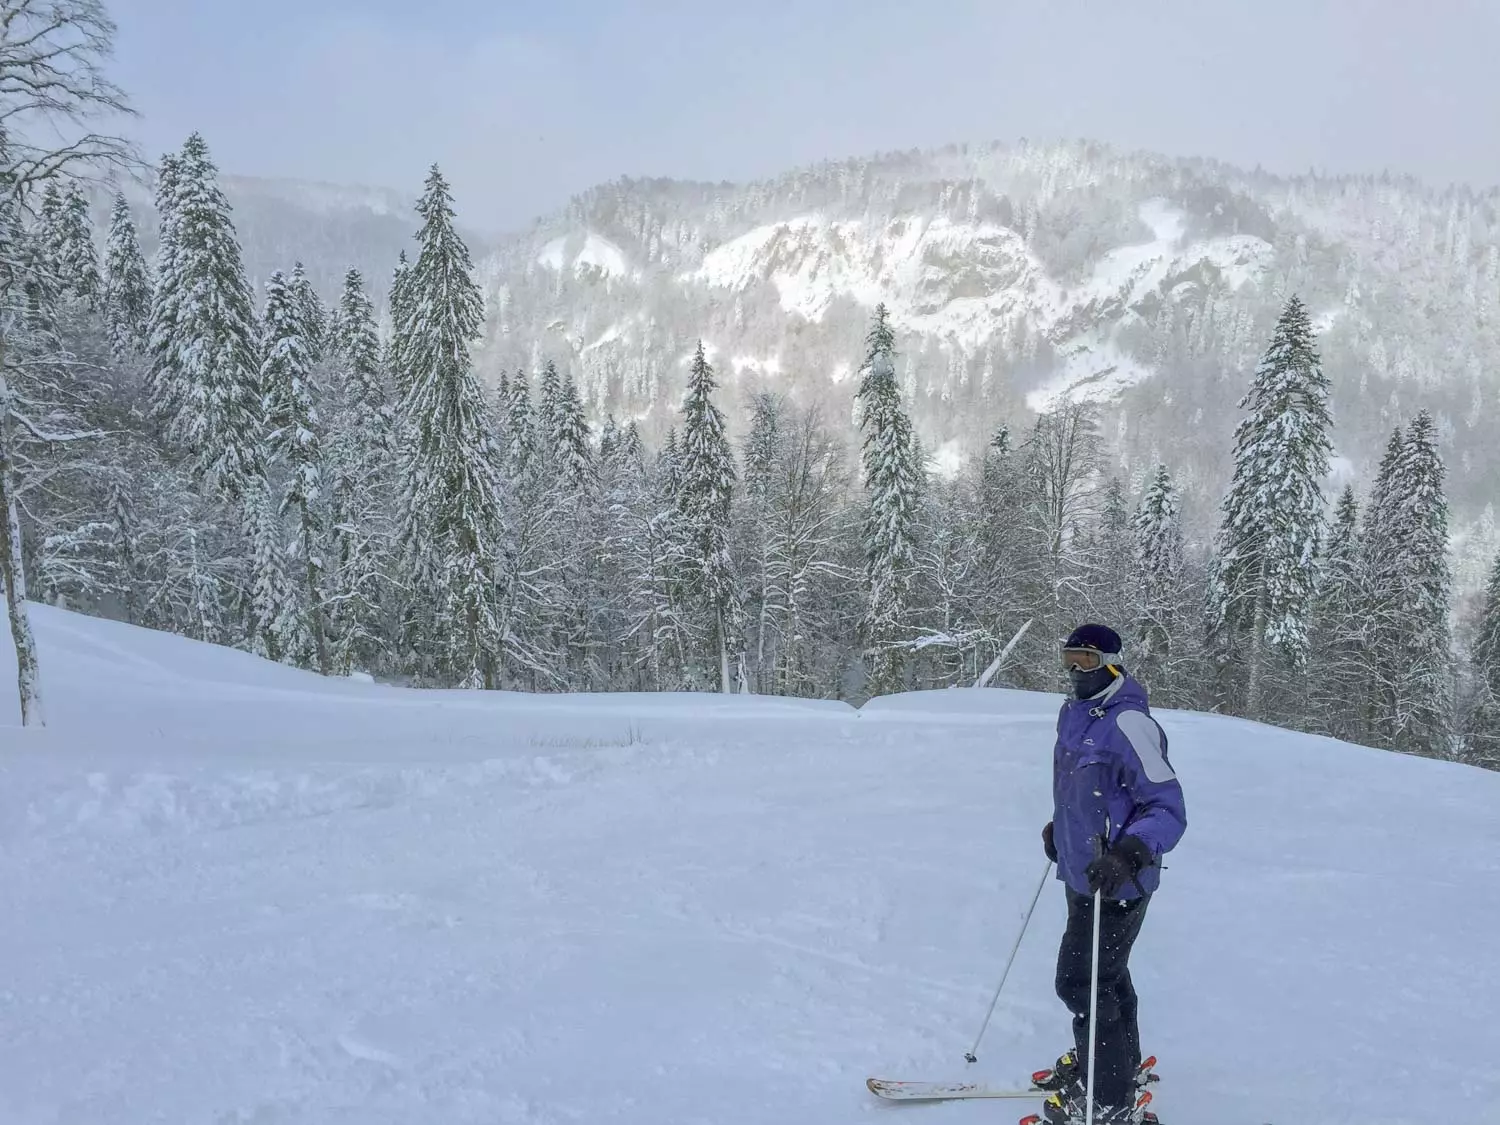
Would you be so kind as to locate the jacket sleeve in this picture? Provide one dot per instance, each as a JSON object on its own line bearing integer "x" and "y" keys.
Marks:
{"x": 1160, "y": 816}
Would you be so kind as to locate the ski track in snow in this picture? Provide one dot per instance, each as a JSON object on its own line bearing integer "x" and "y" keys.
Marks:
{"x": 239, "y": 893}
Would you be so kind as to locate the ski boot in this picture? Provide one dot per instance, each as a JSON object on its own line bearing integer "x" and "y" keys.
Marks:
{"x": 1068, "y": 1073}
{"x": 1061, "y": 1109}
{"x": 1067, "y": 1104}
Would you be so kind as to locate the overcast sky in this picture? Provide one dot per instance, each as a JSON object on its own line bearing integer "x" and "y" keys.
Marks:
{"x": 523, "y": 102}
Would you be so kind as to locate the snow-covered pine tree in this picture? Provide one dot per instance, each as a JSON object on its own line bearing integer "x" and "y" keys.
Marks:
{"x": 894, "y": 490}
{"x": 1420, "y": 584}
{"x": 763, "y": 443}
{"x": 650, "y": 553}
{"x": 1382, "y": 573}
{"x": 355, "y": 346}
{"x": 668, "y": 468}
{"x": 66, "y": 240}
{"x": 127, "y": 286}
{"x": 1486, "y": 647}
{"x": 1482, "y": 714}
{"x": 632, "y": 448}
{"x": 609, "y": 438}
{"x": 166, "y": 390}
{"x": 362, "y": 448}
{"x": 1108, "y": 576}
{"x": 396, "y": 361}
{"x": 294, "y": 441}
{"x": 77, "y": 264}
{"x": 1263, "y": 577}
{"x": 572, "y": 436}
{"x": 1339, "y": 695}
{"x": 1002, "y": 541}
{"x": 520, "y": 429}
{"x": 310, "y": 312}
{"x": 452, "y": 523}
{"x": 49, "y": 222}
{"x": 761, "y": 455}
{"x": 206, "y": 371}
{"x": 707, "y": 479}
{"x": 277, "y": 625}
{"x": 549, "y": 410}
{"x": 1164, "y": 648}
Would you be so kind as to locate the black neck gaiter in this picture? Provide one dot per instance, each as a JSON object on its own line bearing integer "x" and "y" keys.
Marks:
{"x": 1086, "y": 684}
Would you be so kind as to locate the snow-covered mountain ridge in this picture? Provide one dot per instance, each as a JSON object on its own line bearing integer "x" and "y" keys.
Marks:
{"x": 1021, "y": 274}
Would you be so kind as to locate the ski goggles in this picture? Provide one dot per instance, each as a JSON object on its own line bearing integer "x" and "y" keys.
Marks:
{"x": 1087, "y": 659}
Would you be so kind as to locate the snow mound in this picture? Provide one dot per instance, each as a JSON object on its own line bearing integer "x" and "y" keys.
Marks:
{"x": 240, "y": 892}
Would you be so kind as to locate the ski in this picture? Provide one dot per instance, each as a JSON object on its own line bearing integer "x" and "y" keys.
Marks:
{"x": 899, "y": 1091}
{"x": 896, "y": 1091}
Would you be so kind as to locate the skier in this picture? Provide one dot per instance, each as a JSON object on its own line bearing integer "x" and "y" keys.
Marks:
{"x": 1117, "y": 807}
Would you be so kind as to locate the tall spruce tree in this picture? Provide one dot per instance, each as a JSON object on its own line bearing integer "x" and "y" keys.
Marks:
{"x": 295, "y": 442}
{"x": 1109, "y": 578}
{"x": 893, "y": 487}
{"x": 361, "y": 456}
{"x": 1487, "y": 638}
{"x": 70, "y": 244}
{"x": 354, "y": 344}
{"x": 1158, "y": 626}
{"x": 707, "y": 479}
{"x": 572, "y": 436}
{"x": 1421, "y": 720}
{"x": 549, "y": 409}
{"x": 206, "y": 372}
{"x": 1339, "y": 694}
{"x": 310, "y": 311}
{"x": 1482, "y": 715}
{"x": 276, "y": 624}
{"x": 520, "y": 429}
{"x": 397, "y": 360}
{"x": 127, "y": 285}
{"x": 452, "y": 520}
{"x": 761, "y": 456}
{"x": 1262, "y": 581}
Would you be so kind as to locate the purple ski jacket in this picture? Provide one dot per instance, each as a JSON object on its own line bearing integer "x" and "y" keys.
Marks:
{"x": 1110, "y": 764}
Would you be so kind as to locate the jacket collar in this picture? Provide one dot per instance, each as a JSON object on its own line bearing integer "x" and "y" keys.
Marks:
{"x": 1097, "y": 704}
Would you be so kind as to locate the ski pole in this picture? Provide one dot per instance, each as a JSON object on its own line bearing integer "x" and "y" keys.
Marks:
{"x": 972, "y": 1055}
{"x": 1093, "y": 1014}
{"x": 1100, "y": 843}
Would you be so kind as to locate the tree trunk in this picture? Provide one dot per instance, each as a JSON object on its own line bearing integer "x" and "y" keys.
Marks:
{"x": 315, "y": 594}
{"x": 724, "y": 681}
{"x": 13, "y": 573}
{"x": 1255, "y": 685}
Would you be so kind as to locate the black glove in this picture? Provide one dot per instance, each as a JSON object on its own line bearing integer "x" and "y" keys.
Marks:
{"x": 1123, "y": 862}
{"x": 1047, "y": 845}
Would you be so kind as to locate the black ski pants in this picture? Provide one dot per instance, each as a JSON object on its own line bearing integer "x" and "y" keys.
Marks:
{"x": 1118, "y": 1037}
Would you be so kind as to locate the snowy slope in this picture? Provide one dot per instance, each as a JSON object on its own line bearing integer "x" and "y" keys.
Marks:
{"x": 239, "y": 893}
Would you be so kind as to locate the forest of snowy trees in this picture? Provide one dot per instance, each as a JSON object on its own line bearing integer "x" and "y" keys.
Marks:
{"x": 336, "y": 489}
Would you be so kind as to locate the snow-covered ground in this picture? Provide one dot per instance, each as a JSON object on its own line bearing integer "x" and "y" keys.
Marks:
{"x": 235, "y": 892}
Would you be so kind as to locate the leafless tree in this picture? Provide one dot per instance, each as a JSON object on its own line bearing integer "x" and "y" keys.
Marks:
{"x": 53, "y": 91}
